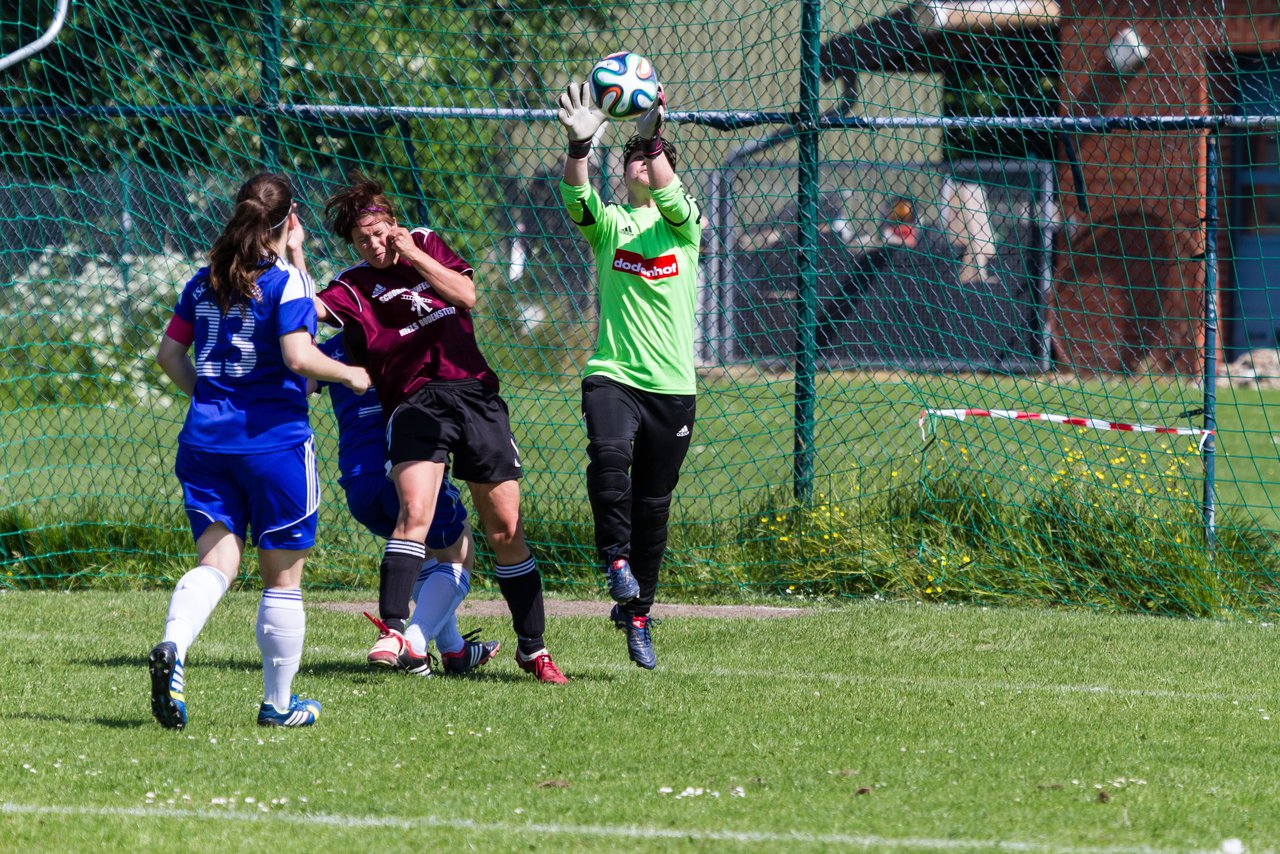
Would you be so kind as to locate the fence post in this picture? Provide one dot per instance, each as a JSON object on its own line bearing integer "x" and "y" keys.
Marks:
{"x": 126, "y": 237}
{"x": 269, "y": 85}
{"x": 1210, "y": 334}
{"x": 807, "y": 275}
{"x": 411, "y": 153}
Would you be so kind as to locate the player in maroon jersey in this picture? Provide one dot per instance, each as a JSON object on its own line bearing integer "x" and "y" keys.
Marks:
{"x": 405, "y": 310}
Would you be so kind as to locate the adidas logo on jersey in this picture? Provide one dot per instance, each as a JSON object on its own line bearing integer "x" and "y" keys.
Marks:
{"x": 682, "y": 432}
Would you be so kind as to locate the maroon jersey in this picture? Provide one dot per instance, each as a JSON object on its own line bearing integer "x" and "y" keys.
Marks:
{"x": 407, "y": 335}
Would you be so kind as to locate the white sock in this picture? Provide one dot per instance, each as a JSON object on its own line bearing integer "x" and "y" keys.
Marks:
{"x": 428, "y": 566}
{"x": 413, "y": 633}
{"x": 197, "y": 594}
{"x": 282, "y": 625}
{"x": 448, "y": 638}
{"x": 433, "y": 615}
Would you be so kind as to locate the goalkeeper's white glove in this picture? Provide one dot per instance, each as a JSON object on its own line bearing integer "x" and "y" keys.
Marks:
{"x": 580, "y": 117}
{"x": 649, "y": 123}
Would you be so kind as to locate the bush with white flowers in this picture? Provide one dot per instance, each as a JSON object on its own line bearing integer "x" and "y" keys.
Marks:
{"x": 76, "y": 324}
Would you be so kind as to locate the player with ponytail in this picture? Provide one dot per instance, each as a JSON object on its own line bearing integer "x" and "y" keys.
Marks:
{"x": 245, "y": 458}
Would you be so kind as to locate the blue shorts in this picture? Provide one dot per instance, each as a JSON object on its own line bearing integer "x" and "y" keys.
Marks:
{"x": 274, "y": 494}
{"x": 374, "y": 503}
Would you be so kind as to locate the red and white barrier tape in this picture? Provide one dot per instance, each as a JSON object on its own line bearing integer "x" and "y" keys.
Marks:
{"x": 1093, "y": 423}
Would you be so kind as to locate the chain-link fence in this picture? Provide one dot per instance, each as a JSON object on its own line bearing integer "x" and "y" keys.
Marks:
{"x": 935, "y": 208}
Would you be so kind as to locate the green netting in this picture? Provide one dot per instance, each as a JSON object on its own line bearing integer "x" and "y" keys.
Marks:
{"x": 912, "y": 212}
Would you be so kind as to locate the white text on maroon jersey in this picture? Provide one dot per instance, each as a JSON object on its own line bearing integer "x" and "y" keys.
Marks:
{"x": 428, "y": 320}
{"x": 662, "y": 267}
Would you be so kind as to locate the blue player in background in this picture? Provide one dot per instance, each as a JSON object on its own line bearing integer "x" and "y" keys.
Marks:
{"x": 245, "y": 458}
{"x": 444, "y": 580}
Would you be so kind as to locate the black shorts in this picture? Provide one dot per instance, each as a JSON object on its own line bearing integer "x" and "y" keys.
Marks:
{"x": 466, "y": 420}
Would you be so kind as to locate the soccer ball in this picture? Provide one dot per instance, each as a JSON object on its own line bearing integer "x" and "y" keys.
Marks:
{"x": 624, "y": 85}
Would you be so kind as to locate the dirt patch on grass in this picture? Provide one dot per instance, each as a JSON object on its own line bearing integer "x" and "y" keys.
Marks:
{"x": 595, "y": 608}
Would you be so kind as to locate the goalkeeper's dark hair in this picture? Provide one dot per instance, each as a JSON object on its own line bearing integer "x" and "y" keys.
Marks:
{"x": 248, "y": 240}
{"x": 362, "y": 197}
{"x": 639, "y": 145}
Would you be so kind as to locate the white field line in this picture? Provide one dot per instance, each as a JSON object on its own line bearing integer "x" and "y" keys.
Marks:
{"x": 588, "y": 830}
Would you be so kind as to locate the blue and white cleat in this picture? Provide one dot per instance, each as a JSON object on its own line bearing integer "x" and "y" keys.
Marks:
{"x": 168, "y": 703}
{"x": 300, "y": 713}
{"x": 639, "y": 640}
{"x": 623, "y": 586}
{"x": 472, "y": 655}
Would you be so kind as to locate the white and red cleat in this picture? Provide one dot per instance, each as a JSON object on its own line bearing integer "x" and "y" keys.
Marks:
{"x": 542, "y": 667}
{"x": 388, "y": 647}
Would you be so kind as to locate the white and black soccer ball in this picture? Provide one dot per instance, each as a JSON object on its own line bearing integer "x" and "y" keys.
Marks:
{"x": 624, "y": 85}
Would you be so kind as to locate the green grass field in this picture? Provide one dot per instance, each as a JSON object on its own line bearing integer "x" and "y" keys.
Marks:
{"x": 867, "y": 727}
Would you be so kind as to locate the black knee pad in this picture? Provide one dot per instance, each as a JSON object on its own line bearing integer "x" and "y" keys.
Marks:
{"x": 652, "y": 509}
{"x": 610, "y": 453}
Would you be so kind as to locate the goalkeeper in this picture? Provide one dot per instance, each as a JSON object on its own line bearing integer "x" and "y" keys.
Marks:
{"x": 638, "y": 388}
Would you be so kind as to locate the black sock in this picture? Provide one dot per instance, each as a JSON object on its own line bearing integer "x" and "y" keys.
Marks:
{"x": 400, "y": 563}
{"x": 521, "y": 586}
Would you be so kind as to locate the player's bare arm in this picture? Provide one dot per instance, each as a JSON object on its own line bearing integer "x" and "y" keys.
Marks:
{"x": 323, "y": 314}
{"x": 173, "y": 360}
{"x": 295, "y": 254}
{"x": 453, "y": 287}
{"x": 302, "y": 356}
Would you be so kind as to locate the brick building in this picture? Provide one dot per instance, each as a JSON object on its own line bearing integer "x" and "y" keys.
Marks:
{"x": 1128, "y": 272}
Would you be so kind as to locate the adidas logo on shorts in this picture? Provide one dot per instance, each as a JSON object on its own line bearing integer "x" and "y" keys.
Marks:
{"x": 682, "y": 432}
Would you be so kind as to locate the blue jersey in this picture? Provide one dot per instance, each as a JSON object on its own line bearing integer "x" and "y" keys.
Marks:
{"x": 246, "y": 399}
{"x": 362, "y": 432}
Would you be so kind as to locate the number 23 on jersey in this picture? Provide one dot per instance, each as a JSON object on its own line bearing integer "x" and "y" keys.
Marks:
{"x": 225, "y": 352}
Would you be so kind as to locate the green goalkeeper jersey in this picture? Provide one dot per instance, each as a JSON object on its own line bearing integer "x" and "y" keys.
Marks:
{"x": 647, "y": 264}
